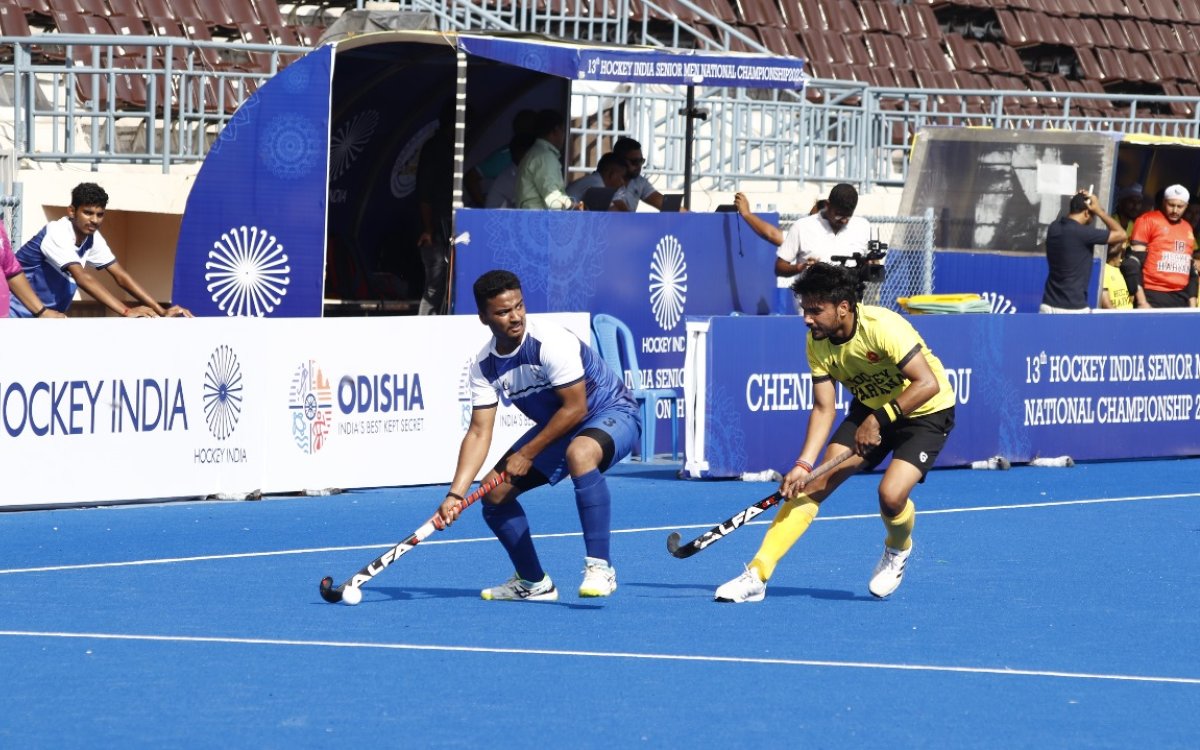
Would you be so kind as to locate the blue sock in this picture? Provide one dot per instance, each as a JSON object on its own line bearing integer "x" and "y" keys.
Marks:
{"x": 595, "y": 513}
{"x": 508, "y": 522}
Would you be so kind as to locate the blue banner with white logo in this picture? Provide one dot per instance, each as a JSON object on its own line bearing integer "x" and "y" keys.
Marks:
{"x": 648, "y": 269}
{"x": 1104, "y": 386}
{"x": 679, "y": 67}
{"x": 252, "y": 242}
{"x": 1012, "y": 283}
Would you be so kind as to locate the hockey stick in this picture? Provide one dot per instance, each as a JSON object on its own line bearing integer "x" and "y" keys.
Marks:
{"x": 742, "y": 517}
{"x": 334, "y": 594}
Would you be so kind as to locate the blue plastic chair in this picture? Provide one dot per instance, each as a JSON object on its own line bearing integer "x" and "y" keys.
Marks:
{"x": 616, "y": 346}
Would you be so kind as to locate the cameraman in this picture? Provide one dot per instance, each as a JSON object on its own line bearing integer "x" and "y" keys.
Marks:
{"x": 832, "y": 230}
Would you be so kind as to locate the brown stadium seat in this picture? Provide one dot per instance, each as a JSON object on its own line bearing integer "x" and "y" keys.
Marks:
{"x": 921, "y": 22}
{"x": 856, "y": 47}
{"x": 965, "y": 53}
{"x": 872, "y": 13}
{"x": 268, "y": 13}
{"x": 126, "y": 8}
{"x": 1149, "y": 32}
{"x": 163, "y": 9}
{"x": 1110, "y": 64}
{"x": 213, "y": 13}
{"x": 1137, "y": 38}
{"x": 1021, "y": 28}
{"x": 242, "y": 12}
{"x": 1115, "y": 29}
{"x": 12, "y": 23}
{"x": 1091, "y": 65}
{"x": 781, "y": 41}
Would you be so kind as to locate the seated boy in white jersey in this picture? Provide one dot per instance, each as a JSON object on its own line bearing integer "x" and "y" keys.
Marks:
{"x": 57, "y": 259}
{"x": 585, "y": 421}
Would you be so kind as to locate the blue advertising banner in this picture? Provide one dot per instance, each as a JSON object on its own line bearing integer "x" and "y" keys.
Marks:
{"x": 1105, "y": 386}
{"x": 584, "y": 62}
{"x": 252, "y": 242}
{"x": 1013, "y": 283}
{"x": 648, "y": 269}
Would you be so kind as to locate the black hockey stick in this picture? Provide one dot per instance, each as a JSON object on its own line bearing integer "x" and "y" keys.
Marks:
{"x": 334, "y": 594}
{"x": 742, "y": 517}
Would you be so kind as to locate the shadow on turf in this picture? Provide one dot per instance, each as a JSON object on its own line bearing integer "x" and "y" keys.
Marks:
{"x": 772, "y": 591}
{"x": 409, "y": 593}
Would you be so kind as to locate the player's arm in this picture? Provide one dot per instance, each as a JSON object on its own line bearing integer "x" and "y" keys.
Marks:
{"x": 922, "y": 386}
{"x": 88, "y": 282}
{"x": 569, "y": 415}
{"x": 820, "y": 423}
{"x": 129, "y": 284}
{"x": 1137, "y": 254}
{"x": 1105, "y": 300}
{"x": 19, "y": 285}
{"x": 761, "y": 227}
{"x": 1116, "y": 232}
{"x": 472, "y": 452}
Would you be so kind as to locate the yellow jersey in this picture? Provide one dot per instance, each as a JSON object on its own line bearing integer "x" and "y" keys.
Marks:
{"x": 869, "y": 363}
{"x": 1118, "y": 290}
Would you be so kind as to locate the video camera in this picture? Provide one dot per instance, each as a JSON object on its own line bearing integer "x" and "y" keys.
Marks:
{"x": 868, "y": 266}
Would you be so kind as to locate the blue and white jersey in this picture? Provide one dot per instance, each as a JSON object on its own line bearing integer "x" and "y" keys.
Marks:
{"x": 46, "y": 257}
{"x": 549, "y": 357}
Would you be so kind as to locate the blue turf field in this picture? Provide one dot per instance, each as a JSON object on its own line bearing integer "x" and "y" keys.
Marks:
{"x": 1042, "y": 608}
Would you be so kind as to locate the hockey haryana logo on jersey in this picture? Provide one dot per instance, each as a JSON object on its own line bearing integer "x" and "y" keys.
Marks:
{"x": 733, "y": 524}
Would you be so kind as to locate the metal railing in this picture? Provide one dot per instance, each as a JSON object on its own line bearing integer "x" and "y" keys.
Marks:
{"x": 130, "y": 99}
{"x": 163, "y": 101}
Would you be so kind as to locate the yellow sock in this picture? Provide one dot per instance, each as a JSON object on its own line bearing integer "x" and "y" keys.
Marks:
{"x": 789, "y": 525}
{"x": 899, "y": 529}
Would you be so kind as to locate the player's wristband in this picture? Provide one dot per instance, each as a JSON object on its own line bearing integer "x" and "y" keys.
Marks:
{"x": 456, "y": 496}
{"x": 804, "y": 465}
{"x": 40, "y": 313}
{"x": 888, "y": 413}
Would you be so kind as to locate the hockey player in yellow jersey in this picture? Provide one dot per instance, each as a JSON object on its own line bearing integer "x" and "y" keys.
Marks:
{"x": 903, "y": 405}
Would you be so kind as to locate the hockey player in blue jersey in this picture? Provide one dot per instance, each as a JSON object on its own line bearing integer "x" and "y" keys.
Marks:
{"x": 585, "y": 421}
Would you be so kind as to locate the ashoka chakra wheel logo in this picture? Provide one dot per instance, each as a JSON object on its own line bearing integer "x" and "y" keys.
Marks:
{"x": 350, "y": 140}
{"x": 222, "y": 392}
{"x": 247, "y": 272}
{"x": 668, "y": 282}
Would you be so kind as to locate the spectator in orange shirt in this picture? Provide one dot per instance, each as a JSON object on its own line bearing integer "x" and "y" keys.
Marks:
{"x": 1162, "y": 244}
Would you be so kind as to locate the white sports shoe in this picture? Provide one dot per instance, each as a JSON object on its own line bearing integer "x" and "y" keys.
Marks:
{"x": 599, "y": 578}
{"x": 518, "y": 589}
{"x": 747, "y": 587}
{"x": 889, "y": 571}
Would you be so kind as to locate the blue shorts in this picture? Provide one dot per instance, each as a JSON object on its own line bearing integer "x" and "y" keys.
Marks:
{"x": 617, "y": 430}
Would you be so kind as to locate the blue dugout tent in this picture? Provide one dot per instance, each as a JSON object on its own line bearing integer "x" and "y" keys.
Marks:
{"x": 308, "y": 192}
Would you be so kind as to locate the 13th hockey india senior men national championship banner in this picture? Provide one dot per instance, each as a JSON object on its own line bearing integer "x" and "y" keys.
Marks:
{"x": 1103, "y": 386}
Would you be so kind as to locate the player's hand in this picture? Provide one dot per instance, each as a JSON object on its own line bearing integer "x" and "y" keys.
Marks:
{"x": 425, "y": 239}
{"x": 867, "y": 436}
{"x": 52, "y": 314}
{"x": 175, "y": 311}
{"x": 141, "y": 311}
{"x": 794, "y": 481}
{"x": 741, "y": 203}
{"x": 518, "y": 465}
{"x": 448, "y": 512}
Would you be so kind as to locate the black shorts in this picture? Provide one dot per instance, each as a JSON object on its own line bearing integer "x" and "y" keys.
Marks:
{"x": 917, "y": 440}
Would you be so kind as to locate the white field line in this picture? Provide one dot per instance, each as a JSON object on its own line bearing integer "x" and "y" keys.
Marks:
{"x": 315, "y": 550}
{"x": 816, "y": 663}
